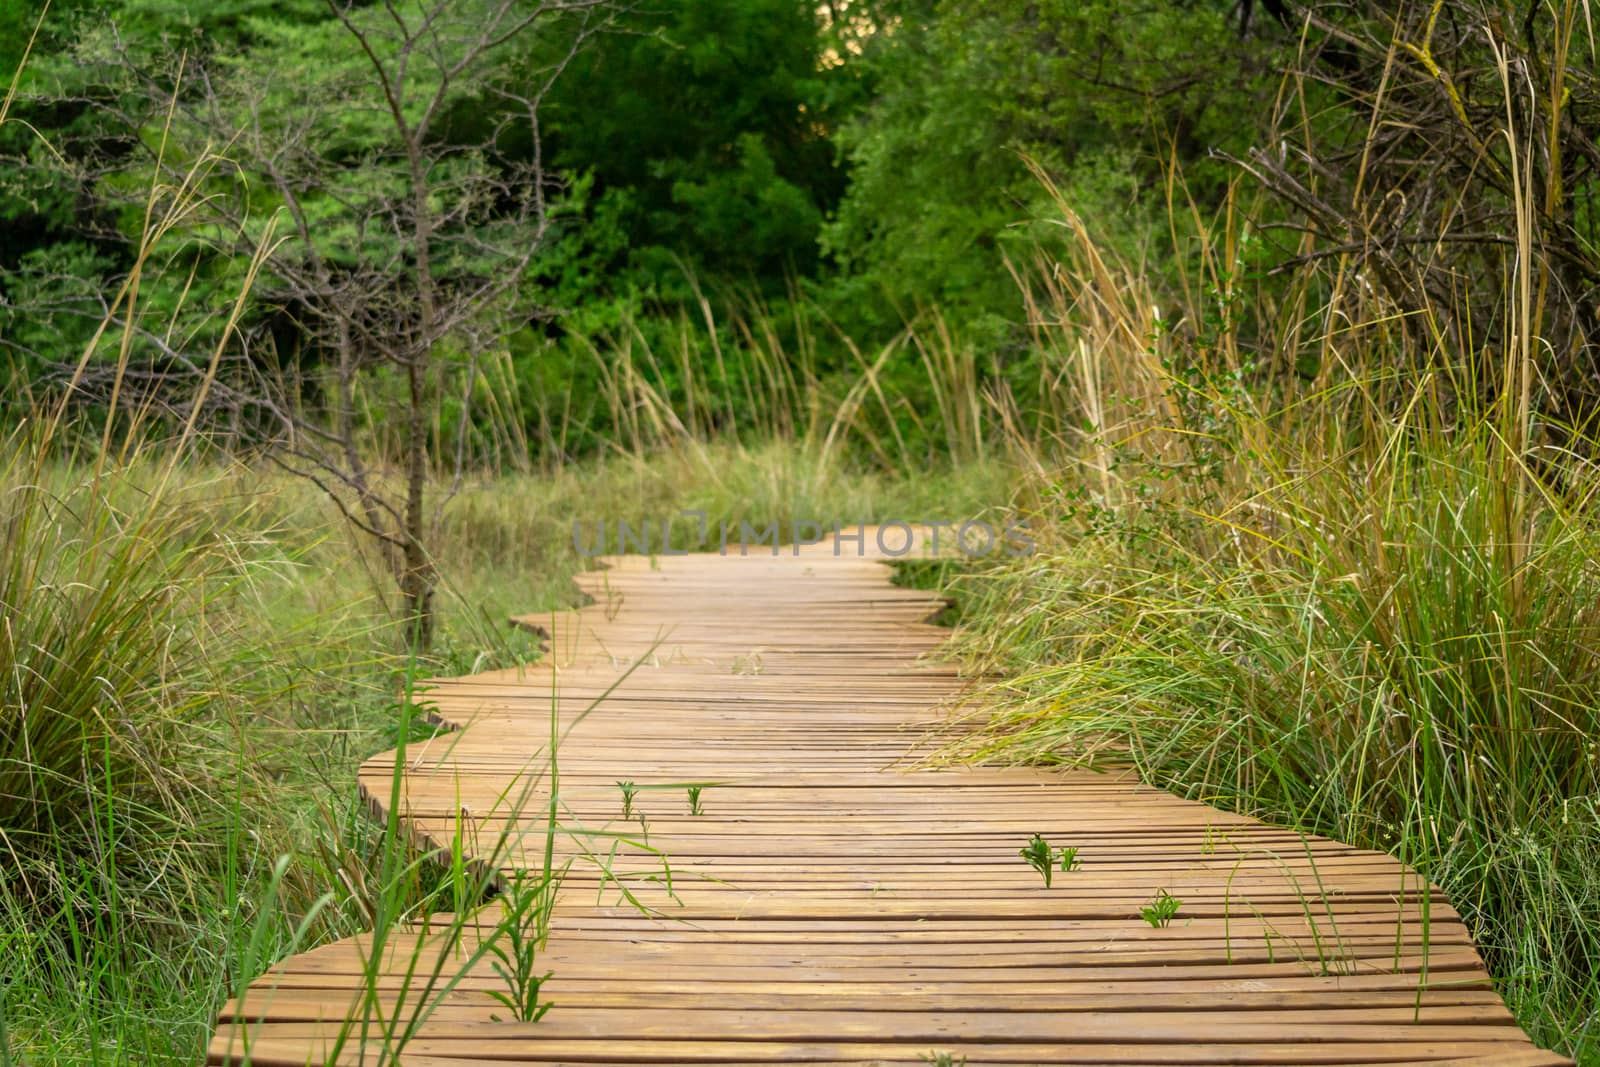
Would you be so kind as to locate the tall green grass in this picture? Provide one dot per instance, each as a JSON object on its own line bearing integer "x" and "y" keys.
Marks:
{"x": 149, "y": 720}
{"x": 1361, "y": 603}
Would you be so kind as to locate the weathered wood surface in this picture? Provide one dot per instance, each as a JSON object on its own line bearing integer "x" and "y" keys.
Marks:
{"x": 833, "y": 904}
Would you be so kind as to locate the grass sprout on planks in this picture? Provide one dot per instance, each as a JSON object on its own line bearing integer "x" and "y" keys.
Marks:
{"x": 1333, "y": 955}
{"x": 1037, "y": 853}
{"x": 1045, "y": 859}
{"x": 1160, "y": 912}
{"x": 630, "y": 789}
{"x": 524, "y": 927}
{"x": 944, "y": 1059}
{"x": 695, "y": 807}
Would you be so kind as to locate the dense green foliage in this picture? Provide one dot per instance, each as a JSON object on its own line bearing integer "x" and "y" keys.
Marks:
{"x": 1103, "y": 96}
{"x": 873, "y": 155}
{"x": 705, "y": 129}
{"x": 694, "y": 141}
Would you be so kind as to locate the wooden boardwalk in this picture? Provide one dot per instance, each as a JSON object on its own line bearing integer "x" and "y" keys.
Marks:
{"x": 834, "y": 905}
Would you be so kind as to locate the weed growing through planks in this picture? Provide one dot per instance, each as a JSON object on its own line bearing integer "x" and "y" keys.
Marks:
{"x": 1044, "y": 859}
{"x": 523, "y": 928}
{"x": 613, "y": 600}
{"x": 1160, "y": 912}
{"x": 1333, "y": 956}
{"x": 695, "y": 807}
{"x": 1037, "y": 853}
{"x": 944, "y": 1059}
{"x": 629, "y": 791}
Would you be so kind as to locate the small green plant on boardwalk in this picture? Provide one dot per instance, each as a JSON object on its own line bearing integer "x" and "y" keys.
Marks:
{"x": 695, "y": 808}
{"x": 944, "y": 1059}
{"x": 1160, "y": 912}
{"x": 629, "y": 791}
{"x": 522, "y": 931}
{"x": 1045, "y": 859}
{"x": 1037, "y": 853}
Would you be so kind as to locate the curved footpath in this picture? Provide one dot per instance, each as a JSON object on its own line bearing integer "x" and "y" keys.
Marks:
{"x": 832, "y": 904}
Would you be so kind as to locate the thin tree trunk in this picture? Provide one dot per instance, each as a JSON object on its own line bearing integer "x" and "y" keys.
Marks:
{"x": 417, "y": 578}
{"x": 417, "y": 581}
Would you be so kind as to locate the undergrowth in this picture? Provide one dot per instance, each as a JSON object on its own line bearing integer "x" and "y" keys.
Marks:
{"x": 195, "y": 662}
{"x": 1367, "y": 606}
